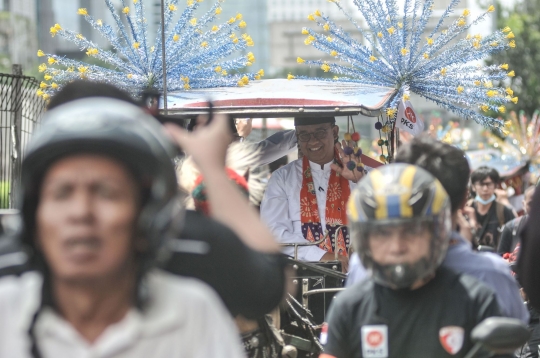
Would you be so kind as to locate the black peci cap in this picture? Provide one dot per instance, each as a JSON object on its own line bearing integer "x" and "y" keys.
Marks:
{"x": 313, "y": 120}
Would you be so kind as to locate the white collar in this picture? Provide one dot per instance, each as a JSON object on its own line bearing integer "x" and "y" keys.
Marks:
{"x": 163, "y": 312}
{"x": 317, "y": 167}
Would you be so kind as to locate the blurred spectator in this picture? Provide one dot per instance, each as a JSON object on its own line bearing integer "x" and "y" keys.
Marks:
{"x": 511, "y": 232}
{"x": 490, "y": 215}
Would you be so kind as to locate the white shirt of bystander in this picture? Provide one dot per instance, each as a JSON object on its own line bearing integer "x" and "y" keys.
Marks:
{"x": 184, "y": 318}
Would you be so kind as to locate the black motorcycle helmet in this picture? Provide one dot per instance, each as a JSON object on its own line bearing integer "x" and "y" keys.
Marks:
{"x": 121, "y": 131}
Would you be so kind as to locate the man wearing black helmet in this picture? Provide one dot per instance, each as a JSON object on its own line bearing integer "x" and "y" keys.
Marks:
{"x": 99, "y": 200}
{"x": 410, "y": 307}
{"x": 247, "y": 271}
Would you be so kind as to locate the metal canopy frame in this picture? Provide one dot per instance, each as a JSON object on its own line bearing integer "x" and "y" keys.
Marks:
{"x": 271, "y": 111}
{"x": 283, "y": 98}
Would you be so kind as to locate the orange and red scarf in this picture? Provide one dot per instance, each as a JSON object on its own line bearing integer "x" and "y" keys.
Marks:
{"x": 337, "y": 196}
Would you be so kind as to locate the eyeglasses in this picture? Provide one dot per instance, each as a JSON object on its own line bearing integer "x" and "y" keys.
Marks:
{"x": 318, "y": 134}
{"x": 487, "y": 185}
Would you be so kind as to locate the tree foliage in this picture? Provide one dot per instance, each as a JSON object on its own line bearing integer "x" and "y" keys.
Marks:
{"x": 524, "y": 20}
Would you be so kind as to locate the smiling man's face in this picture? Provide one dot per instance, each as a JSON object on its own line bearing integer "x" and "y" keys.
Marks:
{"x": 316, "y": 141}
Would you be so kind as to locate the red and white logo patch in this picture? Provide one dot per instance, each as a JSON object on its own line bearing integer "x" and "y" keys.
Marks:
{"x": 375, "y": 341}
{"x": 451, "y": 338}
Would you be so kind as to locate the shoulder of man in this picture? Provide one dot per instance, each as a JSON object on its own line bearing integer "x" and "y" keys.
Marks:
{"x": 490, "y": 265}
{"x": 190, "y": 291}
{"x": 512, "y": 224}
{"x": 481, "y": 296}
{"x": 20, "y": 297}
{"x": 13, "y": 285}
{"x": 495, "y": 263}
{"x": 514, "y": 221}
{"x": 355, "y": 294}
{"x": 458, "y": 280}
{"x": 185, "y": 298}
{"x": 504, "y": 213}
{"x": 473, "y": 286}
{"x": 472, "y": 293}
{"x": 282, "y": 172}
{"x": 490, "y": 269}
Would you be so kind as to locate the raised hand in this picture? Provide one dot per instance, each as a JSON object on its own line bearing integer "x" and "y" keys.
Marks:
{"x": 207, "y": 145}
{"x": 350, "y": 174}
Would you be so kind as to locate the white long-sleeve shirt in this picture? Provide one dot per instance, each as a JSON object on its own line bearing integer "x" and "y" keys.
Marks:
{"x": 280, "y": 208}
{"x": 184, "y": 318}
{"x": 246, "y": 156}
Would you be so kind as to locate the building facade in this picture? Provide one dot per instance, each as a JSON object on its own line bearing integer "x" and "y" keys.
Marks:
{"x": 298, "y": 10}
{"x": 18, "y": 35}
{"x": 254, "y": 13}
{"x": 64, "y": 12}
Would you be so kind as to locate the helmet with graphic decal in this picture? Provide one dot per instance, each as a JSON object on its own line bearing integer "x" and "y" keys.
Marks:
{"x": 400, "y": 222}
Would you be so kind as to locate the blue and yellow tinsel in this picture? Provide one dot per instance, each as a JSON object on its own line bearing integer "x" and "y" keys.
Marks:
{"x": 198, "y": 51}
{"x": 442, "y": 65}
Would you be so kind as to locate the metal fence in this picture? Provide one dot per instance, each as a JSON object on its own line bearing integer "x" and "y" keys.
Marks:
{"x": 20, "y": 111}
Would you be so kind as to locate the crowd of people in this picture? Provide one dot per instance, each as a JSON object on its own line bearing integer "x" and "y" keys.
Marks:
{"x": 131, "y": 252}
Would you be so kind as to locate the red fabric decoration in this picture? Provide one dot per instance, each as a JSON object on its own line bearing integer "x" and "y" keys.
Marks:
{"x": 337, "y": 196}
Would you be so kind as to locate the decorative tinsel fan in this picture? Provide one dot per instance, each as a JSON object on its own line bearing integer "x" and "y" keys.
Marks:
{"x": 195, "y": 51}
{"x": 522, "y": 137}
{"x": 440, "y": 65}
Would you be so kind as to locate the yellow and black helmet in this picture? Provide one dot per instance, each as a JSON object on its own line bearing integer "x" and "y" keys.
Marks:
{"x": 399, "y": 194}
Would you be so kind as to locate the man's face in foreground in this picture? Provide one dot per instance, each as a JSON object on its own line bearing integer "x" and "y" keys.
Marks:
{"x": 86, "y": 218}
{"x": 316, "y": 141}
{"x": 400, "y": 244}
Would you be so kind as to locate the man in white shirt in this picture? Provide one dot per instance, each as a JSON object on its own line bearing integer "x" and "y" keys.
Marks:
{"x": 307, "y": 197}
{"x": 99, "y": 200}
